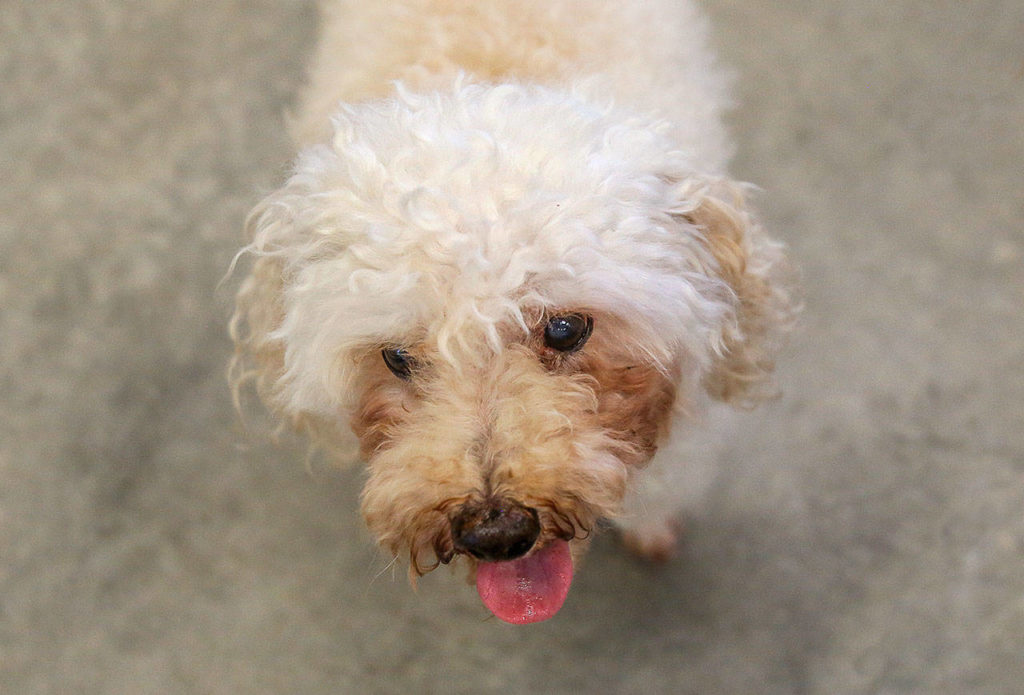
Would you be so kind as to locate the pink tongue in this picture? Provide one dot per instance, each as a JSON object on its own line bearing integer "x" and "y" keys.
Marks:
{"x": 529, "y": 589}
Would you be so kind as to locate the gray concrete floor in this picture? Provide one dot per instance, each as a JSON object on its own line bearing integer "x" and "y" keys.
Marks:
{"x": 869, "y": 535}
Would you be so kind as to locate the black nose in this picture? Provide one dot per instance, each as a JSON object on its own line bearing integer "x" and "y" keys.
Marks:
{"x": 495, "y": 530}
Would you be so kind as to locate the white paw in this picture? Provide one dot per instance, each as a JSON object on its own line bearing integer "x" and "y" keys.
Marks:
{"x": 655, "y": 542}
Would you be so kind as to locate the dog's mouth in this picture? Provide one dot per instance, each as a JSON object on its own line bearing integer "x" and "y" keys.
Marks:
{"x": 522, "y": 573}
{"x": 528, "y": 589}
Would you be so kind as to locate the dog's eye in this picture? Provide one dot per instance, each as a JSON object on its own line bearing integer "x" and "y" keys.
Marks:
{"x": 568, "y": 333}
{"x": 399, "y": 361}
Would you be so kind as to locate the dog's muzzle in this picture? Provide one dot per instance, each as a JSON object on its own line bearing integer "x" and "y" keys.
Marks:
{"x": 495, "y": 530}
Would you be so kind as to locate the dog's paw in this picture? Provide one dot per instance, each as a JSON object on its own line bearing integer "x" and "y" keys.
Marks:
{"x": 654, "y": 542}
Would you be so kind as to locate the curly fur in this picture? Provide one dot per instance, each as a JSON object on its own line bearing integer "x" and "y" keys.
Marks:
{"x": 466, "y": 170}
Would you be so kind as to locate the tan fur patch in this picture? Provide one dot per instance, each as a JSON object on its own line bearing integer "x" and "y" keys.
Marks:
{"x": 635, "y": 398}
{"x": 384, "y": 401}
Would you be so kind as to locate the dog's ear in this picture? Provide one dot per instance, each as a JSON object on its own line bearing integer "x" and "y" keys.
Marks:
{"x": 259, "y": 358}
{"x": 760, "y": 287}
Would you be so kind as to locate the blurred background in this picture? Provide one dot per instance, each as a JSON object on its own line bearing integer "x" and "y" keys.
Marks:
{"x": 868, "y": 537}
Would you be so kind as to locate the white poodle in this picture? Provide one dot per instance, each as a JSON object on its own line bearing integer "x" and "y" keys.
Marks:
{"x": 510, "y": 261}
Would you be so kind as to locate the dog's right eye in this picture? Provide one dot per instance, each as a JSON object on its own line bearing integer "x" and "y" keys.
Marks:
{"x": 568, "y": 333}
{"x": 399, "y": 361}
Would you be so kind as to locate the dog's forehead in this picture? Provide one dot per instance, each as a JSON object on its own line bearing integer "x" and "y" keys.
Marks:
{"x": 478, "y": 276}
{"x": 474, "y": 206}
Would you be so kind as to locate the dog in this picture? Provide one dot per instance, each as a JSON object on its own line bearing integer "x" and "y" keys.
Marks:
{"x": 510, "y": 272}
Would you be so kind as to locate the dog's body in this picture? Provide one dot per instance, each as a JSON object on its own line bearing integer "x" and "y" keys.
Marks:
{"x": 510, "y": 262}
{"x": 650, "y": 55}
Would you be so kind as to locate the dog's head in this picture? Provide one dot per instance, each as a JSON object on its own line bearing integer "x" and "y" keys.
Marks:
{"x": 506, "y": 294}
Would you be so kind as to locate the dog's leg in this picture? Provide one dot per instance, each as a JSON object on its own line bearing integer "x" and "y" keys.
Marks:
{"x": 673, "y": 485}
{"x": 651, "y": 522}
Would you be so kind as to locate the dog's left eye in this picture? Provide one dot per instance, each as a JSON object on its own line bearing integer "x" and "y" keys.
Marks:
{"x": 568, "y": 333}
{"x": 399, "y": 361}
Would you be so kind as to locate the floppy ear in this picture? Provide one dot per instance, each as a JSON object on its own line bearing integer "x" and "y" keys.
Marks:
{"x": 764, "y": 308}
{"x": 259, "y": 357}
